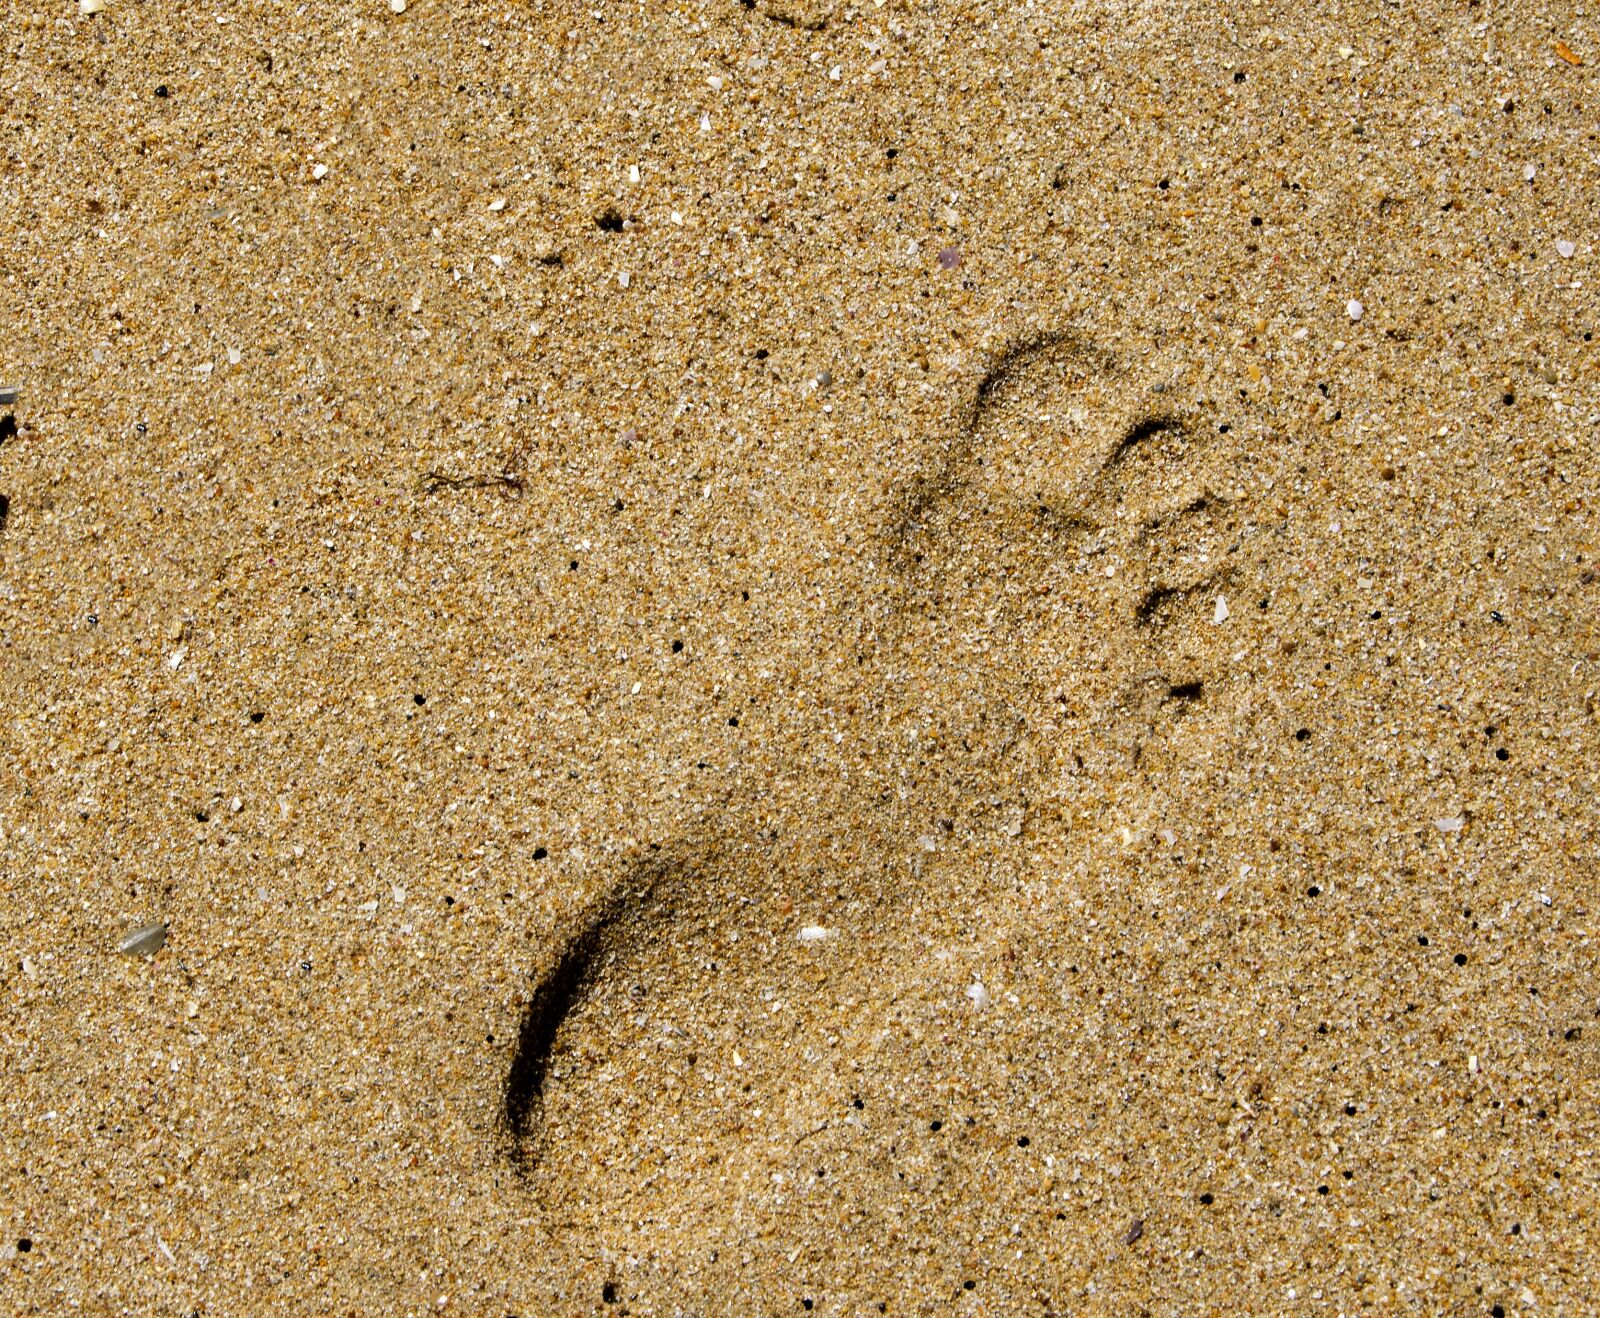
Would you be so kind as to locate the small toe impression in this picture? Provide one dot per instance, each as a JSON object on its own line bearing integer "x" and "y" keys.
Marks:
{"x": 1067, "y": 482}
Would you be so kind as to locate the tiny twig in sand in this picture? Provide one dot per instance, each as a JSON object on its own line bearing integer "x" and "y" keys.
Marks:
{"x": 434, "y": 481}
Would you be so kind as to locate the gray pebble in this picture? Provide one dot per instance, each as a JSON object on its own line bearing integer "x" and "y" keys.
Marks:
{"x": 146, "y": 940}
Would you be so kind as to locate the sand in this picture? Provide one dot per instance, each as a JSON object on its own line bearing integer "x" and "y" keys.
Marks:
{"x": 787, "y": 657}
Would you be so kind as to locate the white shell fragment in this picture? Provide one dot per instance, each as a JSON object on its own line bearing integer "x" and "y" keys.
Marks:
{"x": 146, "y": 940}
{"x": 1453, "y": 824}
{"x": 1221, "y": 615}
{"x": 978, "y": 995}
{"x": 1566, "y": 247}
{"x": 1354, "y": 309}
{"x": 813, "y": 933}
{"x": 91, "y": 6}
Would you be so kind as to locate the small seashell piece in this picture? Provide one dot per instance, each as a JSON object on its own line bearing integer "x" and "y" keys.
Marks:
{"x": 979, "y": 996}
{"x": 146, "y": 940}
{"x": 813, "y": 933}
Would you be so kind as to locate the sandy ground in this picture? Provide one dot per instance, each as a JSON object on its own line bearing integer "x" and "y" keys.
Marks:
{"x": 911, "y": 658}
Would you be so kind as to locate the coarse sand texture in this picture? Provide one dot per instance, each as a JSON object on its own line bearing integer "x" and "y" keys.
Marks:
{"x": 778, "y": 656}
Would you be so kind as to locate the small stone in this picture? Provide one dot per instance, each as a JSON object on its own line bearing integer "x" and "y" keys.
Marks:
{"x": 978, "y": 996}
{"x": 1453, "y": 824}
{"x": 1354, "y": 309}
{"x": 9, "y": 393}
{"x": 91, "y": 6}
{"x": 1566, "y": 248}
{"x": 949, "y": 258}
{"x": 813, "y": 933}
{"x": 146, "y": 940}
{"x": 498, "y": 204}
{"x": 397, "y": 6}
{"x": 319, "y": 172}
{"x": 624, "y": 278}
{"x": 1135, "y": 1230}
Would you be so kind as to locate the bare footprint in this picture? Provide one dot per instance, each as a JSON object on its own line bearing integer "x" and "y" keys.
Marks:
{"x": 725, "y": 1025}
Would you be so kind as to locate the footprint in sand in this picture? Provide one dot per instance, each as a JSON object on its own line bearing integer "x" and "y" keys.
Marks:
{"x": 720, "y": 1055}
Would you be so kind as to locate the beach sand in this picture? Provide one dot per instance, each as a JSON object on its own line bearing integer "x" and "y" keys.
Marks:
{"x": 780, "y": 657}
